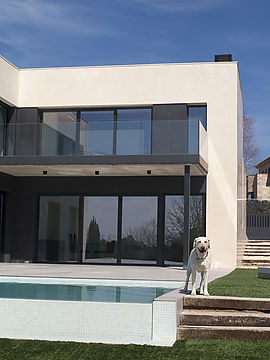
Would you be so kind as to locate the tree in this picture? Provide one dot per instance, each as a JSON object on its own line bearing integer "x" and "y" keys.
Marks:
{"x": 250, "y": 150}
{"x": 93, "y": 238}
{"x": 175, "y": 220}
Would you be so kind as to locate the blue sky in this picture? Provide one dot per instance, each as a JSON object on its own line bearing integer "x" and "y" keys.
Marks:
{"x": 44, "y": 33}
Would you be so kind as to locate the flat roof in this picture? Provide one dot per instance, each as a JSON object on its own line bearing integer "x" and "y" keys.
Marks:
{"x": 118, "y": 65}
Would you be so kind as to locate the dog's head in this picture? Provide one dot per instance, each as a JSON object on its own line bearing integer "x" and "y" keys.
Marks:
{"x": 202, "y": 244}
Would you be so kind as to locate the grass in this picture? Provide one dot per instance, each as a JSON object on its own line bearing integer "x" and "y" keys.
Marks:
{"x": 187, "y": 350}
{"x": 240, "y": 282}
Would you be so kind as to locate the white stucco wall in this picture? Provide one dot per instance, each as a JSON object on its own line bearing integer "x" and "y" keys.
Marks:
{"x": 9, "y": 82}
{"x": 214, "y": 84}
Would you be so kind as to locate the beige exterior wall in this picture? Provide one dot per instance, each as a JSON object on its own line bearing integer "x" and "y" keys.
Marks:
{"x": 241, "y": 181}
{"x": 9, "y": 82}
{"x": 214, "y": 84}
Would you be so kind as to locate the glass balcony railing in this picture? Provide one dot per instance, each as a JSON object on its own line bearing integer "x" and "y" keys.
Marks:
{"x": 99, "y": 138}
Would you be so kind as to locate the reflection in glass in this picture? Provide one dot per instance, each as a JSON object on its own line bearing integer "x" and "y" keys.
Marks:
{"x": 97, "y": 132}
{"x": 58, "y": 133}
{"x": 196, "y": 218}
{"x": 1, "y": 226}
{"x": 198, "y": 113}
{"x": 174, "y": 229}
{"x": 3, "y": 116}
{"x": 58, "y": 229}
{"x": 133, "y": 132}
{"x": 139, "y": 230}
{"x": 100, "y": 229}
{"x": 174, "y": 226}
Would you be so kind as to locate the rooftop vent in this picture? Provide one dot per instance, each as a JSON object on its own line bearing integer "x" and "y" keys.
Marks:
{"x": 223, "y": 57}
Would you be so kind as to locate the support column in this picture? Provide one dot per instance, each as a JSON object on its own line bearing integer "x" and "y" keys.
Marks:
{"x": 186, "y": 246}
{"x": 161, "y": 230}
{"x": 80, "y": 232}
{"x": 119, "y": 230}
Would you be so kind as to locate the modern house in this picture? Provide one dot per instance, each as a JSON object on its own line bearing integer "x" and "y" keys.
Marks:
{"x": 121, "y": 164}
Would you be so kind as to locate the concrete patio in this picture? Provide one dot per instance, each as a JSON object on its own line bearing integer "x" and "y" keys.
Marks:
{"x": 102, "y": 271}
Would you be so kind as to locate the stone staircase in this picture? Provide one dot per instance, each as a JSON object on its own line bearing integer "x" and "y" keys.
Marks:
{"x": 218, "y": 317}
{"x": 256, "y": 253}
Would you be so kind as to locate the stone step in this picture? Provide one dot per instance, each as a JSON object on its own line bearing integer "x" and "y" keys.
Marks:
{"x": 259, "y": 242}
{"x": 222, "y": 332}
{"x": 256, "y": 258}
{"x": 223, "y": 302}
{"x": 253, "y": 265}
{"x": 257, "y": 253}
{"x": 253, "y": 247}
{"x": 224, "y": 318}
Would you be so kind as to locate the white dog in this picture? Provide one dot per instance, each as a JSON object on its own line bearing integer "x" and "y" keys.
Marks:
{"x": 199, "y": 260}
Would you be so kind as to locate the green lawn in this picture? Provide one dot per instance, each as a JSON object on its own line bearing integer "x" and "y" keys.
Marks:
{"x": 186, "y": 350}
{"x": 241, "y": 282}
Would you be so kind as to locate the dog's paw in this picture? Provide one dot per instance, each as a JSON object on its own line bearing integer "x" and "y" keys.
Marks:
{"x": 206, "y": 293}
{"x": 193, "y": 292}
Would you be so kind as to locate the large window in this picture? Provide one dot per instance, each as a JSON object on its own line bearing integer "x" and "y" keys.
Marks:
{"x": 198, "y": 113}
{"x": 58, "y": 133}
{"x": 174, "y": 225}
{"x": 139, "y": 240}
{"x": 100, "y": 229}
{"x": 58, "y": 229}
{"x": 133, "y": 131}
{"x": 139, "y": 230}
{"x": 1, "y": 226}
{"x": 96, "y": 132}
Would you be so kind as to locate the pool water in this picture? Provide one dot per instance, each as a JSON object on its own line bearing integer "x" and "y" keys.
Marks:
{"x": 118, "y": 294}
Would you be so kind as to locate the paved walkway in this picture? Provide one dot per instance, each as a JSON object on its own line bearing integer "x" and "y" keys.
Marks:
{"x": 102, "y": 271}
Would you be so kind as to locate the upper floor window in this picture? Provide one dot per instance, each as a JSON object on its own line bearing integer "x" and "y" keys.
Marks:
{"x": 97, "y": 132}
{"x": 198, "y": 113}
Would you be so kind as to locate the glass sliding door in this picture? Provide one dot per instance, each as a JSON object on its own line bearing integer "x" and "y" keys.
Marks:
{"x": 100, "y": 229}
{"x": 139, "y": 230}
{"x": 58, "y": 229}
{"x": 174, "y": 230}
{"x": 1, "y": 226}
{"x": 196, "y": 217}
{"x": 174, "y": 226}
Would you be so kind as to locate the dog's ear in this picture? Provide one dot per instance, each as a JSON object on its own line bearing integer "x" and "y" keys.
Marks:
{"x": 208, "y": 243}
{"x": 194, "y": 243}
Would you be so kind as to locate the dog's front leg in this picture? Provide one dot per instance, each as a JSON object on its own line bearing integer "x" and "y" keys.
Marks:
{"x": 193, "y": 272}
{"x": 187, "y": 279}
{"x": 205, "y": 283}
{"x": 202, "y": 283}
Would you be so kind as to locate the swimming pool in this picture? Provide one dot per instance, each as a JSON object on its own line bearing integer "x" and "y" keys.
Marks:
{"x": 89, "y": 310}
{"x": 118, "y": 294}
